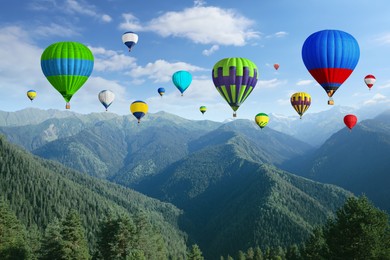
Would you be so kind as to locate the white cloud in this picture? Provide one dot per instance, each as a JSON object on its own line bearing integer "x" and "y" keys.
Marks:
{"x": 384, "y": 39}
{"x": 277, "y": 35}
{"x": 384, "y": 86}
{"x": 54, "y": 29}
{"x": 161, "y": 70}
{"x": 199, "y": 3}
{"x": 273, "y": 83}
{"x": 210, "y": 51}
{"x": 131, "y": 23}
{"x": 69, "y": 6}
{"x": 107, "y": 60}
{"x": 377, "y": 98}
{"x": 200, "y": 24}
{"x": 305, "y": 82}
{"x": 106, "y": 18}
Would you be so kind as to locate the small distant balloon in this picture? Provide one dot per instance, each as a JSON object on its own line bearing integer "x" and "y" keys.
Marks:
{"x": 370, "y": 81}
{"x": 261, "y": 120}
{"x": 276, "y": 66}
{"x": 139, "y": 109}
{"x": 161, "y": 91}
{"x": 301, "y": 102}
{"x": 130, "y": 39}
{"x": 203, "y": 109}
{"x": 106, "y": 97}
{"x": 31, "y": 94}
{"x": 182, "y": 80}
{"x": 350, "y": 121}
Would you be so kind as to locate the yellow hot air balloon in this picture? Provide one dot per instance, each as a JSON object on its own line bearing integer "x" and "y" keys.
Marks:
{"x": 261, "y": 120}
{"x": 301, "y": 102}
{"x": 203, "y": 109}
{"x": 139, "y": 109}
{"x": 31, "y": 94}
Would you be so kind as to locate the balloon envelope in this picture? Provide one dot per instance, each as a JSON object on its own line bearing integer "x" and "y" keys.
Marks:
{"x": 369, "y": 80}
{"x": 139, "y": 109}
{"x": 301, "y": 102}
{"x": 161, "y": 91}
{"x": 203, "y": 109}
{"x": 106, "y": 97}
{"x": 261, "y": 120}
{"x": 330, "y": 56}
{"x": 31, "y": 94}
{"x": 182, "y": 80}
{"x": 276, "y": 66}
{"x": 350, "y": 120}
{"x": 235, "y": 79}
{"x": 130, "y": 39}
{"x": 67, "y": 66}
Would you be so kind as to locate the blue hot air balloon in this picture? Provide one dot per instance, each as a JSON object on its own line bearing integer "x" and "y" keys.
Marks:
{"x": 182, "y": 80}
{"x": 161, "y": 91}
{"x": 330, "y": 56}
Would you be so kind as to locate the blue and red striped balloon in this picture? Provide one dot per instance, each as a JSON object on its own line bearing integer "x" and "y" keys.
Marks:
{"x": 330, "y": 56}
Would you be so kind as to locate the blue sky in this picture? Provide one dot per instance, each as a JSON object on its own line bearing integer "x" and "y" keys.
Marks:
{"x": 190, "y": 35}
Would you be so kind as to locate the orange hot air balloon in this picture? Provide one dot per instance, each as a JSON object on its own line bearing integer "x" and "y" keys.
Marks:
{"x": 350, "y": 121}
{"x": 276, "y": 66}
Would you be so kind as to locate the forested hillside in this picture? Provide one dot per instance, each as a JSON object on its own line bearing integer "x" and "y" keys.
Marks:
{"x": 38, "y": 191}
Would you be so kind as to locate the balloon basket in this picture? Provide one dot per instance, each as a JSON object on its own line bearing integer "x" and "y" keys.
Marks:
{"x": 67, "y": 106}
{"x": 330, "y": 102}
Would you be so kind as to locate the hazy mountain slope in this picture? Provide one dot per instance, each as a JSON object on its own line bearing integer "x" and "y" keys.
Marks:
{"x": 40, "y": 190}
{"x": 356, "y": 160}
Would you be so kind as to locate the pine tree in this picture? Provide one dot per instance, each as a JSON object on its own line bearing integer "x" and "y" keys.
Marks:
{"x": 293, "y": 253}
{"x": 250, "y": 253}
{"x": 258, "y": 254}
{"x": 12, "y": 235}
{"x": 316, "y": 246}
{"x": 241, "y": 255}
{"x": 116, "y": 238}
{"x": 195, "y": 253}
{"x": 75, "y": 245}
{"x": 359, "y": 231}
{"x": 51, "y": 246}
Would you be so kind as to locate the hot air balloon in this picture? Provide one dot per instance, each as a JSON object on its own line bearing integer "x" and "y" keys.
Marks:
{"x": 139, "y": 109}
{"x": 161, "y": 91}
{"x": 235, "y": 78}
{"x": 31, "y": 94}
{"x": 261, "y": 120}
{"x": 370, "y": 81}
{"x": 350, "y": 121}
{"x": 182, "y": 80}
{"x": 301, "y": 102}
{"x": 67, "y": 66}
{"x": 106, "y": 97}
{"x": 330, "y": 56}
{"x": 203, "y": 109}
{"x": 276, "y": 66}
{"x": 130, "y": 39}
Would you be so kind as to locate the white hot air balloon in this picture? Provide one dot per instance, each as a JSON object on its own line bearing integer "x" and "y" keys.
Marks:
{"x": 130, "y": 39}
{"x": 106, "y": 97}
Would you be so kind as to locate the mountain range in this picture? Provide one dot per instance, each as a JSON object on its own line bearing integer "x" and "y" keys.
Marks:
{"x": 225, "y": 177}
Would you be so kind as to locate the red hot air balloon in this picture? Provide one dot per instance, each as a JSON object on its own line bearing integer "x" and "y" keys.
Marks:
{"x": 276, "y": 66}
{"x": 350, "y": 121}
{"x": 370, "y": 81}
